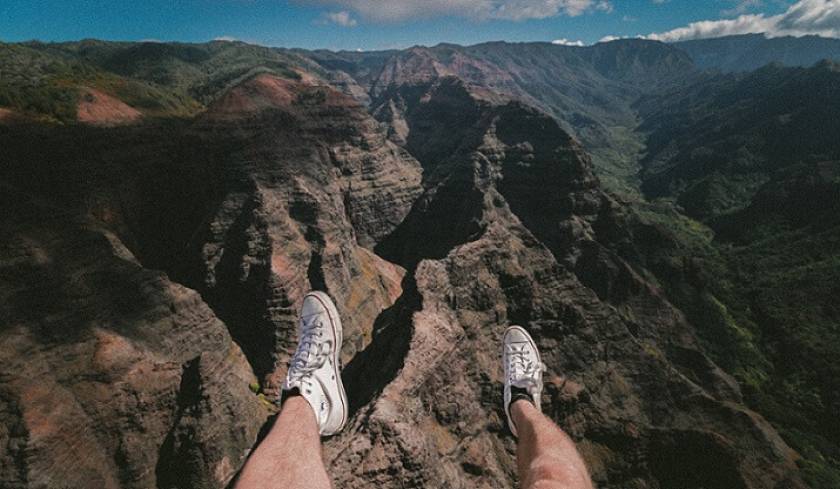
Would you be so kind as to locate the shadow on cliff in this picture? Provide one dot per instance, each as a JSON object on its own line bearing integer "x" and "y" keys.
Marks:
{"x": 377, "y": 365}
{"x": 174, "y": 468}
{"x": 154, "y": 185}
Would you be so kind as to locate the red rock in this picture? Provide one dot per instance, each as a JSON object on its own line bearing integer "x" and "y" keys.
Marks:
{"x": 98, "y": 108}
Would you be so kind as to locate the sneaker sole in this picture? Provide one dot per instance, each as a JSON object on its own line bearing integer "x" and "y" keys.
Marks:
{"x": 335, "y": 323}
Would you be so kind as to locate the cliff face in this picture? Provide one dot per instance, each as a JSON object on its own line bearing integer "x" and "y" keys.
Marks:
{"x": 112, "y": 375}
{"x": 314, "y": 186}
{"x": 152, "y": 274}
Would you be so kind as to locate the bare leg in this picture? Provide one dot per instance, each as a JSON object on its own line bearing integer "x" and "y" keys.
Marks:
{"x": 290, "y": 456}
{"x": 546, "y": 457}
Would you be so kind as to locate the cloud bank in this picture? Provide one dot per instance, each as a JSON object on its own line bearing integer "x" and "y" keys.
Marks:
{"x": 805, "y": 17}
{"x": 567, "y": 42}
{"x": 402, "y": 10}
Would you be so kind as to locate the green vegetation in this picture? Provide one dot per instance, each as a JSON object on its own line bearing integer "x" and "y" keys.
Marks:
{"x": 266, "y": 402}
{"x": 161, "y": 80}
{"x": 781, "y": 285}
{"x": 194, "y": 71}
{"x": 767, "y": 313}
{"x": 28, "y": 83}
{"x": 617, "y": 164}
{"x": 746, "y": 191}
{"x": 51, "y": 101}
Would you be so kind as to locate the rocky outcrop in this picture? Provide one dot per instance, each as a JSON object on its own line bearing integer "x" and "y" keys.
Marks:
{"x": 304, "y": 203}
{"x": 112, "y": 375}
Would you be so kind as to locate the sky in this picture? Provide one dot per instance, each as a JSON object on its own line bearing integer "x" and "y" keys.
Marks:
{"x": 388, "y": 24}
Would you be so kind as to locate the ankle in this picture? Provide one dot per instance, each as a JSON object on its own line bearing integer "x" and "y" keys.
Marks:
{"x": 520, "y": 394}
{"x": 522, "y": 405}
{"x": 293, "y": 401}
{"x": 522, "y": 411}
{"x": 287, "y": 394}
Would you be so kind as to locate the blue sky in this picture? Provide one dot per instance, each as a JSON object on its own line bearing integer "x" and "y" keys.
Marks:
{"x": 378, "y": 24}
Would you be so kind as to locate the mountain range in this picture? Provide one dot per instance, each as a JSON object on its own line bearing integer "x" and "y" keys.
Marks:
{"x": 749, "y": 52}
{"x": 662, "y": 217}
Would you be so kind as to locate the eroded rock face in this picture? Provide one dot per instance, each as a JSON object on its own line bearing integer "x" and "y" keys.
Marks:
{"x": 8, "y": 115}
{"x": 112, "y": 375}
{"x": 306, "y": 200}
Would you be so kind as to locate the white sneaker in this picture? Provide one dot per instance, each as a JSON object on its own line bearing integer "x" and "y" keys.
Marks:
{"x": 314, "y": 368}
{"x": 523, "y": 368}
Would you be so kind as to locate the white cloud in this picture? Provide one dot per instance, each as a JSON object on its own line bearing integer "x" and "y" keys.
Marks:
{"x": 343, "y": 18}
{"x": 401, "y": 10}
{"x": 225, "y": 38}
{"x": 742, "y": 6}
{"x": 604, "y": 6}
{"x": 812, "y": 17}
{"x": 815, "y": 17}
{"x": 744, "y": 24}
{"x": 566, "y": 42}
{"x": 610, "y": 38}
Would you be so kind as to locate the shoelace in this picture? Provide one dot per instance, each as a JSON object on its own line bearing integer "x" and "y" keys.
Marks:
{"x": 312, "y": 352}
{"x": 520, "y": 366}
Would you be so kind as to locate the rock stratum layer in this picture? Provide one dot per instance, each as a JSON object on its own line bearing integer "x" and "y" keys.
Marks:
{"x": 151, "y": 274}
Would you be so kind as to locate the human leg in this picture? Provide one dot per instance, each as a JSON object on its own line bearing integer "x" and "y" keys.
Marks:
{"x": 546, "y": 456}
{"x": 314, "y": 404}
{"x": 290, "y": 455}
